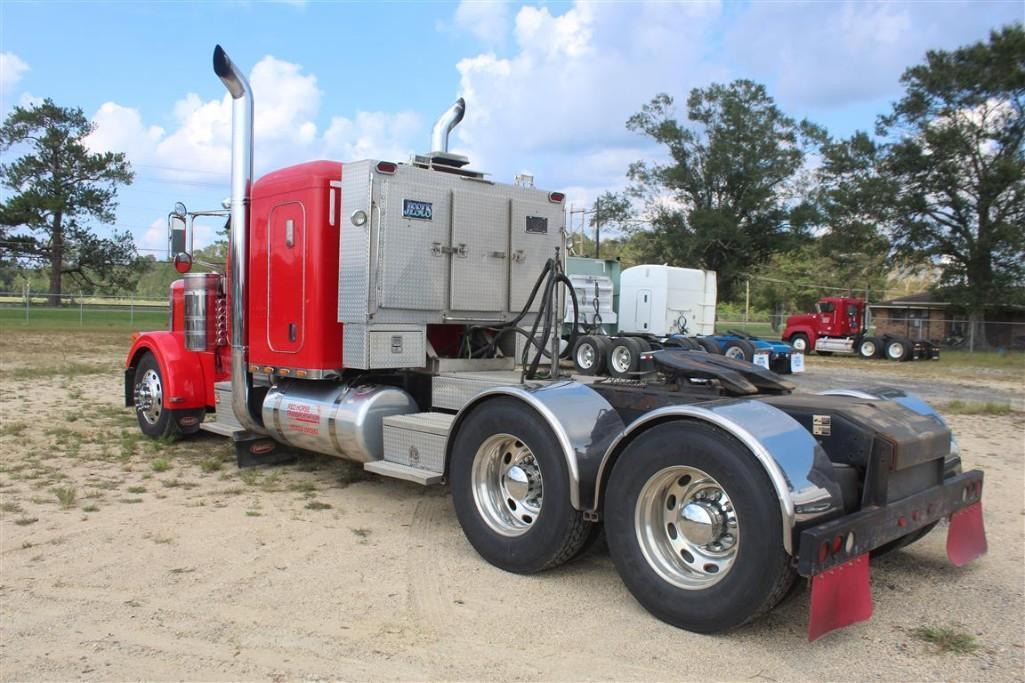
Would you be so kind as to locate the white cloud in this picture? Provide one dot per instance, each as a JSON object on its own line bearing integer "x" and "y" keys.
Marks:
{"x": 12, "y": 68}
{"x": 287, "y": 103}
{"x": 835, "y": 54}
{"x": 488, "y": 21}
{"x": 561, "y": 100}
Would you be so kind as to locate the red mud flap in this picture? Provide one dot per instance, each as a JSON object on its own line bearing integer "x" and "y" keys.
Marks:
{"x": 840, "y": 597}
{"x": 966, "y": 537}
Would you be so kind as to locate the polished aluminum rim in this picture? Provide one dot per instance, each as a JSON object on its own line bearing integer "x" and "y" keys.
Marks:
{"x": 735, "y": 352}
{"x": 868, "y": 349}
{"x": 149, "y": 396}
{"x": 507, "y": 485}
{"x": 621, "y": 358}
{"x": 798, "y": 344}
{"x": 585, "y": 356}
{"x": 896, "y": 350}
{"x": 687, "y": 527}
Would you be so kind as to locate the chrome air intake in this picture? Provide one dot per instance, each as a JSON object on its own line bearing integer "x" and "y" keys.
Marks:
{"x": 241, "y": 182}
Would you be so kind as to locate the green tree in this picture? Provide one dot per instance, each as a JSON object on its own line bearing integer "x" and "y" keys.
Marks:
{"x": 955, "y": 160}
{"x": 734, "y": 190}
{"x": 58, "y": 188}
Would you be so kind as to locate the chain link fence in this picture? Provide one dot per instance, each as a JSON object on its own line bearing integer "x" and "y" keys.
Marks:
{"x": 38, "y": 309}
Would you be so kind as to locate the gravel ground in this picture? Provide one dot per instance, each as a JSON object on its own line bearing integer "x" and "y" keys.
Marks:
{"x": 170, "y": 564}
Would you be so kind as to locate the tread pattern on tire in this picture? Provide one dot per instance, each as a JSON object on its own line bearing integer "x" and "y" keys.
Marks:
{"x": 576, "y": 536}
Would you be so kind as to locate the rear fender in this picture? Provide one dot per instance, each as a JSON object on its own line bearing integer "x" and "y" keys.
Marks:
{"x": 182, "y": 370}
{"x": 797, "y": 466}
{"x": 584, "y": 424}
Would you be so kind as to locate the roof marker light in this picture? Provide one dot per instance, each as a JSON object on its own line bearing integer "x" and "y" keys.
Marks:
{"x": 388, "y": 167}
{"x": 556, "y": 197}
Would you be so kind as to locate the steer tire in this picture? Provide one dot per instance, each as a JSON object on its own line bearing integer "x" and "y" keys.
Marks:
{"x": 760, "y": 574}
{"x": 588, "y": 348}
{"x": 800, "y": 343}
{"x": 558, "y": 532}
{"x": 869, "y": 347}
{"x": 897, "y": 349}
{"x": 158, "y": 422}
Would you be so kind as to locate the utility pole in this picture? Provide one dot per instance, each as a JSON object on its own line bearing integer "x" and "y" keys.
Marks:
{"x": 597, "y": 228}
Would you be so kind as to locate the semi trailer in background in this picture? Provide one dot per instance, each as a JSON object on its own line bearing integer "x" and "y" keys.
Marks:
{"x": 372, "y": 310}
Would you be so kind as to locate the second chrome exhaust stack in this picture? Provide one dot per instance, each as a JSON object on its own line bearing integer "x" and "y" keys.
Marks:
{"x": 444, "y": 126}
{"x": 241, "y": 183}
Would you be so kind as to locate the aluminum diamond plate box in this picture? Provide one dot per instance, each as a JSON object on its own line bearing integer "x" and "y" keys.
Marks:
{"x": 417, "y": 440}
{"x": 439, "y": 247}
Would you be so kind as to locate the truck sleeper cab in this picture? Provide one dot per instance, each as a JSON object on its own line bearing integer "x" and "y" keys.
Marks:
{"x": 383, "y": 312}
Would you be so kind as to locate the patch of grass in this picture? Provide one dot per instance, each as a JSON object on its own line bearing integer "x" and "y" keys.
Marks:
{"x": 10, "y": 506}
{"x": 136, "y": 489}
{"x": 13, "y": 429}
{"x": 131, "y": 501}
{"x": 317, "y": 505}
{"x": 160, "y": 465}
{"x": 252, "y": 513}
{"x": 66, "y": 496}
{"x": 211, "y": 464}
{"x": 947, "y": 639}
{"x": 250, "y": 477}
{"x": 302, "y": 487}
{"x": 25, "y": 521}
{"x": 90, "y": 508}
{"x": 959, "y": 407}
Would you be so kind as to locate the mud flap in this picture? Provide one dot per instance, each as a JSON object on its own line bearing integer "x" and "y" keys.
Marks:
{"x": 260, "y": 451}
{"x": 966, "y": 536}
{"x": 840, "y": 596}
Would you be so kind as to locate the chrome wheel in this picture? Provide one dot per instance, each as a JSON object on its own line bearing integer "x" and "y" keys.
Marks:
{"x": 585, "y": 356}
{"x": 687, "y": 527}
{"x": 149, "y": 397}
{"x": 735, "y": 352}
{"x": 868, "y": 349}
{"x": 799, "y": 344}
{"x": 507, "y": 486}
{"x": 895, "y": 350}
{"x": 621, "y": 359}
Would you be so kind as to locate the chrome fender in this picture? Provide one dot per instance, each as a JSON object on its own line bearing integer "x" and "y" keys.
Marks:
{"x": 797, "y": 466}
{"x": 584, "y": 424}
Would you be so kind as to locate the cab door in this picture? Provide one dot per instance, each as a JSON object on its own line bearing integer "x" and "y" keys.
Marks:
{"x": 286, "y": 277}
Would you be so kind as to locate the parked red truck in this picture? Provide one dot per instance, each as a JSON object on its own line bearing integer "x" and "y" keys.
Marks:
{"x": 372, "y": 310}
{"x": 839, "y": 325}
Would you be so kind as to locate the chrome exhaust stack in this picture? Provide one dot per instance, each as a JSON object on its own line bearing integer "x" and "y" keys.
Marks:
{"x": 444, "y": 126}
{"x": 241, "y": 183}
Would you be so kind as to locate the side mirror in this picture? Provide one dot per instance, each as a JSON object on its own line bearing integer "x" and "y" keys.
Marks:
{"x": 177, "y": 235}
{"x": 182, "y": 262}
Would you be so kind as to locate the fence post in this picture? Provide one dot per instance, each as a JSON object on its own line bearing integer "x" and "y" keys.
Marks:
{"x": 971, "y": 334}
{"x": 747, "y": 303}
{"x": 28, "y": 298}
{"x": 81, "y": 309}
{"x": 132, "y": 316}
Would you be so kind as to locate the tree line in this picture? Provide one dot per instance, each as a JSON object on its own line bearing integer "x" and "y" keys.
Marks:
{"x": 750, "y": 192}
{"x": 744, "y": 189}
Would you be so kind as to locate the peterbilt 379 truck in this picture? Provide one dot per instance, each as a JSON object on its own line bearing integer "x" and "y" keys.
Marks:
{"x": 389, "y": 313}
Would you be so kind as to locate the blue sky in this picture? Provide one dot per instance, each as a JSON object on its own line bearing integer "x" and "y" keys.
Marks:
{"x": 548, "y": 85}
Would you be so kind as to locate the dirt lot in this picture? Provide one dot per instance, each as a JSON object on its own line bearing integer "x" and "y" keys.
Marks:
{"x": 129, "y": 559}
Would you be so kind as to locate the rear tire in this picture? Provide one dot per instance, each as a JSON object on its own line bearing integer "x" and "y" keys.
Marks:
{"x": 645, "y": 498}
{"x": 624, "y": 357}
{"x": 898, "y": 349}
{"x": 155, "y": 419}
{"x": 869, "y": 347}
{"x": 709, "y": 344}
{"x": 504, "y": 460}
{"x": 588, "y": 356}
{"x": 739, "y": 349}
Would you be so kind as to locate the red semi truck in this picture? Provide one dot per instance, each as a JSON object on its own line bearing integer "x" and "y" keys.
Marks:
{"x": 838, "y": 325}
{"x": 389, "y": 313}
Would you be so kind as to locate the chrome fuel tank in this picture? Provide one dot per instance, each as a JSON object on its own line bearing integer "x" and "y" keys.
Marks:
{"x": 335, "y": 419}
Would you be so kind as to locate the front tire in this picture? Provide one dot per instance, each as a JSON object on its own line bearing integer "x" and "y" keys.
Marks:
{"x": 510, "y": 487}
{"x": 799, "y": 342}
{"x": 694, "y": 528}
{"x": 156, "y": 420}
